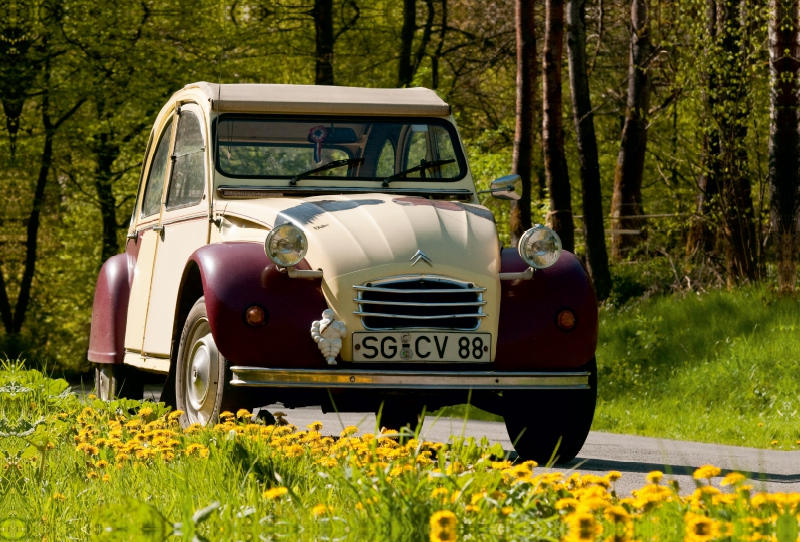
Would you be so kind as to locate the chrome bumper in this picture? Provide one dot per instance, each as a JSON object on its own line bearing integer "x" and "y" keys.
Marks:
{"x": 406, "y": 380}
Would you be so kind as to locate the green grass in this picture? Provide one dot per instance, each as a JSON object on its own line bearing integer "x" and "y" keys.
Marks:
{"x": 721, "y": 367}
{"x": 75, "y": 468}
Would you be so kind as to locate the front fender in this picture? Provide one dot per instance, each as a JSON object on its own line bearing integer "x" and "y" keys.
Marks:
{"x": 236, "y": 276}
{"x": 528, "y": 337}
{"x": 110, "y": 311}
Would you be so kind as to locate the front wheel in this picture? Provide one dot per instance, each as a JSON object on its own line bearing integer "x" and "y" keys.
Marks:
{"x": 536, "y": 420}
{"x": 200, "y": 374}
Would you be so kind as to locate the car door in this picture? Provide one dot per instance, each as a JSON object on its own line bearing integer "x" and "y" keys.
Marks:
{"x": 185, "y": 227}
{"x": 147, "y": 225}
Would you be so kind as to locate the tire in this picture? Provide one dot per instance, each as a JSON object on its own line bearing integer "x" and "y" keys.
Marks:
{"x": 549, "y": 415}
{"x": 202, "y": 373}
{"x": 115, "y": 380}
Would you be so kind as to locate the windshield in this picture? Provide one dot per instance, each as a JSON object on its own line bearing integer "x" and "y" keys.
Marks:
{"x": 369, "y": 149}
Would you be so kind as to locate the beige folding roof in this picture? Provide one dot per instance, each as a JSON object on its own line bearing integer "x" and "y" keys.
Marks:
{"x": 321, "y": 99}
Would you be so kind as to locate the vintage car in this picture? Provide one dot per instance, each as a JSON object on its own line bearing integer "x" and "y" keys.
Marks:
{"x": 312, "y": 245}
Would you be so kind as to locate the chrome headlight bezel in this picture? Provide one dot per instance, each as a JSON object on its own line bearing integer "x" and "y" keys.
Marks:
{"x": 282, "y": 232}
{"x": 540, "y": 247}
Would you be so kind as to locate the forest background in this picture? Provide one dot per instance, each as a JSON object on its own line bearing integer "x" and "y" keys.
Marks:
{"x": 658, "y": 137}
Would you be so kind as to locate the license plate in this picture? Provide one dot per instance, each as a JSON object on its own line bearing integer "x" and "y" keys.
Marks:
{"x": 422, "y": 346}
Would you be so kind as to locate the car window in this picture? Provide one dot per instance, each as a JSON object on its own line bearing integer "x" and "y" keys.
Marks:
{"x": 386, "y": 160}
{"x": 274, "y": 147}
{"x": 188, "y": 174}
{"x": 155, "y": 180}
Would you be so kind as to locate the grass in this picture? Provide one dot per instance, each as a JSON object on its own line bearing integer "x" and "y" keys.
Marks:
{"x": 719, "y": 367}
{"x": 84, "y": 469}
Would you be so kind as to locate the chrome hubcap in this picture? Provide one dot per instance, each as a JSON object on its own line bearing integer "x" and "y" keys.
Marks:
{"x": 200, "y": 375}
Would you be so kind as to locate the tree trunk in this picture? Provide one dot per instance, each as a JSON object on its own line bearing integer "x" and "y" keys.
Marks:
{"x": 735, "y": 200}
{"x": 555, "y": 163}
{"x": 106, "y": 153}
{"x": 323, "y": 26}
{"x": 784, "y": 166}
{"x": 439, "y": 46}
{"x": 702, "y": 235}
{"x": 522, "y": 160}
{"x": 626, "y": 203}
{"x": 593, "y": 230}
{"x": 405, "y": 71}
{"x": 32, "y": 239}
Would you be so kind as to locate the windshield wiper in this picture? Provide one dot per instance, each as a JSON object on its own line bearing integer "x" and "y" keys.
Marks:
{"x": 329, "y": 165}
{"x": 422, "y": 167}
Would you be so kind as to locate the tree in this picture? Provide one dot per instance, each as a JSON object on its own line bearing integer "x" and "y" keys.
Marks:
{"x": 323, "y": 27}
{"x": 583, "y": 116}
{"x": 522, "y": 158}
{"x": 784, "y": 165}
{"x": 626, "y": 202}
{"x": 555, "y": 162}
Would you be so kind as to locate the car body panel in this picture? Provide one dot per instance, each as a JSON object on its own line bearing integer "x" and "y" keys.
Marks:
{"x": 110, "y": 311}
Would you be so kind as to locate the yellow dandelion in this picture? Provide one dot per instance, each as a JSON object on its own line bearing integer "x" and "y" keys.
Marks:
{"x": 773, "y": 443}
{"x": 226, "y": 415}
{"x": 92, "y": 474}
{"x": 655, "y": 477}
{"x": 349, "y": 430}
{"x": 106, "y": 478}
{"x": 175, "y": 414}
{"x": 101, "y": 464}
{"x": 616, "y": 514}
{"x": 439, "y": 491}
{"x": 243, "y": 413}
{"x": 500, "y": 465}
{"x": 197, "y": 450}
{"x": 472, "y": 508}
{"x": 613, "y": 476}
{"x": 700, "y": 528}
{"x": 315, "y": 426}
{"x": 506, "y": 510}
{"x": 582, "y": 527}
{"x": 444, "y": 526}
{"x": 145, "y": 412}
{"x": 706, "y": 472}
{"x": 732, "y": 479}
{"x": 321, "y": 509}
{"x": 275, "y": 492}
{"x": 59, "y": 497}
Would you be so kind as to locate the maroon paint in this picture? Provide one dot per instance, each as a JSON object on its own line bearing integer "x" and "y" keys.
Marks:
{"x": 110, "y": 311}
{"x": 238, "y": 275}
{"x": 528, "y": 337}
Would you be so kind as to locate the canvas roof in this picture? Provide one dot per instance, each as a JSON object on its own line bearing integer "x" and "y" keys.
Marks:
{"x": 321, "y": 99}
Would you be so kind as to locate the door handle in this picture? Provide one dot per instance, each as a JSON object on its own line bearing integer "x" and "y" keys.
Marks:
{"x": 158, "y": 228}
{"x": 134, "y": 235}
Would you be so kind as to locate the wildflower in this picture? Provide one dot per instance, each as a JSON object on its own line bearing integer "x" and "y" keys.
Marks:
{"x": 699, "y": 528}
{"x": 349, "y": 430}
{"x": 175, "y": 414}
{"x": 275, "y": 492}
{"x": 92, "y": 474}
{"x": 443, "y": 491}
{"x": 567, "y": 504}
{"x": 226, "y": 415}
{"x": 582, "y": 526}
{"x": 443, "y": 526}
{"x": 321, "y": 509}
{"x": 616, "y": 514}
{"x": 707, "y": 472}
{"x": 87, "y": 448}
{"x": 145, "y": 412}
{"x": 655, "y": 477}
{"x": 506, "y": 510}
{"x": 732, "y": 479}
{"x": 773, "y": 443}
{"x": 500, "y": 465}
{"x": 315, "y": 426}
{"x": 59, "y": 497}
{"x": 243, "y": 413}
{"x": 101, "y": 464}
{"x": 200, "y": 450}
{"x": 106, "y": 478}
{"x": 472, "y": 508}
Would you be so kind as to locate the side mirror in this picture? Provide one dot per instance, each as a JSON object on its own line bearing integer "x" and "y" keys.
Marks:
{"x": 508, "y": 187}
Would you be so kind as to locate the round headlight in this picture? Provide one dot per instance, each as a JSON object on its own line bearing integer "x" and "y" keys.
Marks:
{"x": 286, "y": 245}
{"x": 540, "y": 247}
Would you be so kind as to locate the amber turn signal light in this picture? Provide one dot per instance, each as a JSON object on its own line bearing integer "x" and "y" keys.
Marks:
{"x": 565, "y": 320}
{"x": 255, "y": 316}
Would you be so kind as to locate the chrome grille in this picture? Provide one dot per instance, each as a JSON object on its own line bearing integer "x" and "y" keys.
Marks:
{"x": 419, "y": 301}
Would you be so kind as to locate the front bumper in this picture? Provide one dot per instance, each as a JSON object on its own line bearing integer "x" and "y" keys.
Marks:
{"x": 259, "y": 377}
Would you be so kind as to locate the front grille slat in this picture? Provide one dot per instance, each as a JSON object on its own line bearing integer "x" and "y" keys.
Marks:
{"x": 419, "y": 301}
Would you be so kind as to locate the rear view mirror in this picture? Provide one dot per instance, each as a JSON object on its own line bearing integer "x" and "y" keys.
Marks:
{"x": 508, "y": 187}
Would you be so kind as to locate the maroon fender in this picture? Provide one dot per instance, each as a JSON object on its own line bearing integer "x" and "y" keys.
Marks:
{"x": 236, "y": 276}
{"x": 110, "y": 311}
{"x": 528, "y": 338}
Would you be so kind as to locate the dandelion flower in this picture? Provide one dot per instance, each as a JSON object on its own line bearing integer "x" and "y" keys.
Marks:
{"x": 732, "y": 479}
{"x": 145, "y": 412}
{"x": 613, "y": 476}
{"x": 106, "y": 478}
{"x": 700, "y": 528}
{"x": 321, "y": 509}
{"x": 567, "y": 503}
{"x": 444, "y": 526}
{"x": 59, "y": 497}
{"x": 506, "y": 510}
{"x": 439, "y": 491}
{"x": 315, "y": 426}
{"x": 655, "y": 477}
{"x": 706, "y": 472}
{"x": 243, "y": 413}
{"x": 616, "y": 514}
{"x": 92, "y": 474}
{"x": 275, "y": 492}
{"x": 582, "y": 527}
{"x": 175, "y": 414}
{"x": 197, "y": 449}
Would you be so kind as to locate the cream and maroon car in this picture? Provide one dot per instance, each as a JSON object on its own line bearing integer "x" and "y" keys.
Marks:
{"x": 315, "y": 245}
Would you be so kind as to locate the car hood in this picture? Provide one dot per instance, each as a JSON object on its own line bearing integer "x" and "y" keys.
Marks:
{"x": 378, "y": 232}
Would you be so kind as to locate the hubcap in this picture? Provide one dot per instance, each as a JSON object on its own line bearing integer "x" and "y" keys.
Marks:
{"x": 200, "y": 374}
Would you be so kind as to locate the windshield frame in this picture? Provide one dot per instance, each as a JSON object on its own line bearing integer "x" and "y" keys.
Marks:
{"x": 438, "y": 121}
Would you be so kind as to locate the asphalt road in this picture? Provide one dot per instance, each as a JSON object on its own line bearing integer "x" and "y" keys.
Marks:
{"x": 633, "y": 456}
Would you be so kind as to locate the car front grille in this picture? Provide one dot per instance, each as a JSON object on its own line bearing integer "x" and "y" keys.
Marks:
{"x": 420, "y": 301}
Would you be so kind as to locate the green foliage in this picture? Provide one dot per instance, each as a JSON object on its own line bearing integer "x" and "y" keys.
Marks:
{"x": 710, "y": 367}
